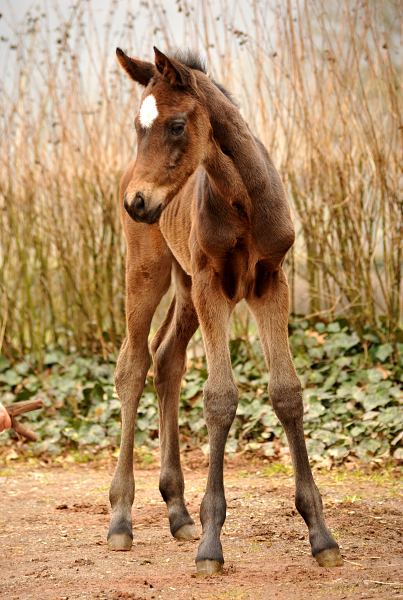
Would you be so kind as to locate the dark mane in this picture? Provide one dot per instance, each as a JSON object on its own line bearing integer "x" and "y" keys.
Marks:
{"x": 190, "y": 59}
{"x": 193, "y": 60}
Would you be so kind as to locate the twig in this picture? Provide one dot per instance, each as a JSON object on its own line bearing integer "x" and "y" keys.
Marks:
{"x": 354, "y": 563}
{"x": 19, "y": 408}
{"x": 383, "y": 582}
{"x": 3, "y": 327}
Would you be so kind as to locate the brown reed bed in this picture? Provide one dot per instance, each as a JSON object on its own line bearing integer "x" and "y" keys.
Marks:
{"x": 319, "y": 83}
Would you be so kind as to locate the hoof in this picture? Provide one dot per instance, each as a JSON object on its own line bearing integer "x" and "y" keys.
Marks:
{"x": 329, "y": 558}
{"x": 120, "y": 542}
{"x": 209, "y": 567}
{"x": 186, "y": 532}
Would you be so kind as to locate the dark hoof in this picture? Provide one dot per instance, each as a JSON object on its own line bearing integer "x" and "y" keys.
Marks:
{"x": 329, "y": 558}
{"x": 186, "y": 532}
{"x": 209, "y": 567}
{"x": 120, "y": 542}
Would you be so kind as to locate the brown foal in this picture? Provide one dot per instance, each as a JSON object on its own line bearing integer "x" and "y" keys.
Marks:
{"x": 203, "y": 204}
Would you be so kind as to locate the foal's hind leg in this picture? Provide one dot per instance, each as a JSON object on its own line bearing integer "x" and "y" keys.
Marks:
{"x": 271, "y": 314}
{"x": 148, "y": 277}
{"x": 169, "y": 354}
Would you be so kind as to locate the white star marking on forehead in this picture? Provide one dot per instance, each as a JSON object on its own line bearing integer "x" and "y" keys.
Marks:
{"x": 148, "y": 111}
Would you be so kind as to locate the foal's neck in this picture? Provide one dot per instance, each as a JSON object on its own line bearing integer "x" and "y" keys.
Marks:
{"x": 235, "y": 140}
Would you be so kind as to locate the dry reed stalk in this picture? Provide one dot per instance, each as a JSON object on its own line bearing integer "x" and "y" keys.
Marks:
{"x": 319, "y": 83}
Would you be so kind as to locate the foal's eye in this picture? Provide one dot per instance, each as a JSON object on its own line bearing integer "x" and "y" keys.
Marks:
{"x": 177, "y": 129}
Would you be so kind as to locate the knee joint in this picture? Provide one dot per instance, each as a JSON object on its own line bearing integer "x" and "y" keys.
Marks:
{"x": 220, "y": 403}
{"x": 287, "y": 401}
{"x": 168, "y": 366}
{"x": 131, "y": 369}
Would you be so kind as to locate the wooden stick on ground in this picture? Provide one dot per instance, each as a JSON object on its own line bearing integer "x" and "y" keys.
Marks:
{"x": 19, "y": 408}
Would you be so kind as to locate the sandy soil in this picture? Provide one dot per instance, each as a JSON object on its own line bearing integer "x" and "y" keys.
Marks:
{"x": 54, "y": 521}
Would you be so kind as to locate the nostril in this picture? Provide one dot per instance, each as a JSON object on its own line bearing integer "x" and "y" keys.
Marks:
{"x": 139, "y": 202}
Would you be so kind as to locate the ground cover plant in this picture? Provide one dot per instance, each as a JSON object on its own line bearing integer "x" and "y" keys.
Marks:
{"x": 353, "y": 396}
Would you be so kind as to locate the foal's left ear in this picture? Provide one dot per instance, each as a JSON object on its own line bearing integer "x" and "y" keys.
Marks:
{"x": 174, "y": 71}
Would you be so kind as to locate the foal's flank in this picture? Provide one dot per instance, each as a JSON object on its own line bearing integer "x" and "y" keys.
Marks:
{"x": 202, "y": 205}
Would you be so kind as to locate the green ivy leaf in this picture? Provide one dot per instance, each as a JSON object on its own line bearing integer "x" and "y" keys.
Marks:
{"x": 315, "y": 448}
{"x": 10, "y": 378}
{"x": 384, "y": 352}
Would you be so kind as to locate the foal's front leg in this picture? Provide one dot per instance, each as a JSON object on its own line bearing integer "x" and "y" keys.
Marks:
{"x": 143, "y": 296}
{"x": 220, "y": 403}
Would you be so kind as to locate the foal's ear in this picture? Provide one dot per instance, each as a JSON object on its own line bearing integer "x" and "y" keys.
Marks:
{"x": 138, "y": 70}
{"x": 174, "y": 71}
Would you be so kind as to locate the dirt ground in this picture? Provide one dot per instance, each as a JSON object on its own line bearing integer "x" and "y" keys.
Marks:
{"x": 54, "y": 521}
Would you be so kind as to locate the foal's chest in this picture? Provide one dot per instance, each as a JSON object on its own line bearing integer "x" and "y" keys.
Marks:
{"x": 175, "y": 225}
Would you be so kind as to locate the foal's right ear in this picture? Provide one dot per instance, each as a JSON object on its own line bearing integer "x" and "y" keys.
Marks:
{"x": 138, "y": 70}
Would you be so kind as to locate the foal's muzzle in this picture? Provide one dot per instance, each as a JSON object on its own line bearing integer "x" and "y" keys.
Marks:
{"x": 139, "y": 210}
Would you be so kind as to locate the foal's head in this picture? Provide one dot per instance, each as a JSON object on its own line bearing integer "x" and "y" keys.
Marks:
{"x": 173, "y": 130}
